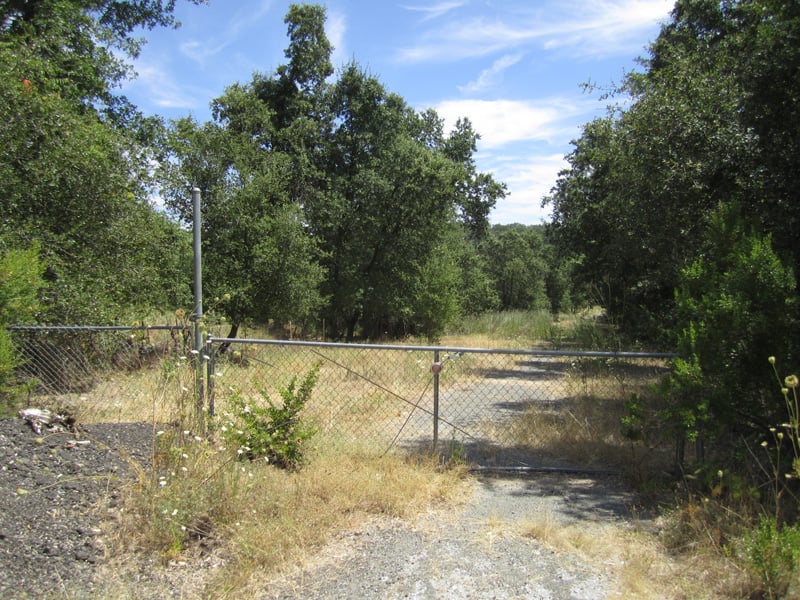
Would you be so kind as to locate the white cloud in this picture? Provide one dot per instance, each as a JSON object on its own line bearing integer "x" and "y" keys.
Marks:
{"x": 200, "y": 51}
{"x": 502, "y": 122}
{"x": 335, "y": 29}
{"x": 489, "y": 76}
{"x": 531, "y": 179}
{"x": 523, "y": 145}
{"x": 247, "y": 17}
{"x": 437, "y": 10}
{"x": 164, "y": 91}
{"x": 586, "y": 27}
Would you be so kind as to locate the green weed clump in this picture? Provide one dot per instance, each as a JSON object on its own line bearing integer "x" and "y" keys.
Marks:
{"x": 773, "y": 553}
{"x": 274, "y": 432}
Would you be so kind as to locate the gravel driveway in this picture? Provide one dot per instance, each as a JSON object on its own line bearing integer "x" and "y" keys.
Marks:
{"x": 476, "y": 551}
{"x": 53, "y": 492}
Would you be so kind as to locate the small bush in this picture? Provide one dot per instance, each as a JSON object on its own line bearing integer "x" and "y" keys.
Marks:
{"x": 273, "y": 432}
{"x": 774, "y": 555}
{"x": 736, "y": 303}
{"x": 20, "y": 281}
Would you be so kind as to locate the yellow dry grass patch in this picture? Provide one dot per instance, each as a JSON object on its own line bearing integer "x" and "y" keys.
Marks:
{"x": 264, "y": 520}
{"x": 639, "y": 564}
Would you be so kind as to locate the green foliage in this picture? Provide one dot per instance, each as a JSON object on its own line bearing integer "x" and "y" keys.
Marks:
{"x": 255, "y": 245}
{"x": 738, "y": 303}
{"x": 436, "y": 304}
{"x": 20, "y": 281}
{"x": 75, "y": 161}
{"x": 8, "y": 362}
{"x": 89, "y": 41}
{"x": 634, "y": 423}
{"x": 274, "y": 432}
{"x": 773, "y": 553}
{"x": 735, "y": 303}
{"x": 563, "y": 298}
{"x": 705, "y": 124}
{"x": 333, "y": 200}
{"x": 516, "y": 257}
{"x": 687, "y": 393}
{"x": 477, "y": 292}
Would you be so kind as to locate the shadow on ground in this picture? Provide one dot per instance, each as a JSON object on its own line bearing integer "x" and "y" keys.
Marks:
{"x": 566, "y": 496}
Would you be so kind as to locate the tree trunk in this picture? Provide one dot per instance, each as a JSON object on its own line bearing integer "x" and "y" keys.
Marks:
{"x": 231, "y": 334}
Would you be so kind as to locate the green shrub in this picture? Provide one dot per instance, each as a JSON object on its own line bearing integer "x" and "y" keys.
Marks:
{"x": 20, "y": 280}
{"x": 737, "y": 303}
{"x": 773, "y": 553}
{"x": 274, "y": 432}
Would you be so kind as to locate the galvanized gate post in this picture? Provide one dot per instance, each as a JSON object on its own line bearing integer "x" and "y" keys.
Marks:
{"x": 211, "y": 374}
{"x": 198, "y": 300}
{"x": 436, "y": 369}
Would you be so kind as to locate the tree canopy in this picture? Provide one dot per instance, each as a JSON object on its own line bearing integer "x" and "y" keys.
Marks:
{"x": 679, "y": 207}
{"x": 701, "y": 128}
{"x": 75, "y": 173}
{"x": 362, "y": 188}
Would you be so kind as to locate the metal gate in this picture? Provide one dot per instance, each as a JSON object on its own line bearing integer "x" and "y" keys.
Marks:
{"x": 490, "y": 408}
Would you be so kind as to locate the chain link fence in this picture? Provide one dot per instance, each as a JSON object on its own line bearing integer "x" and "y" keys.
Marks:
{"x": 523, "y": 409}
{"x": 103, "y": 373}
{"x": 517, "y": 409}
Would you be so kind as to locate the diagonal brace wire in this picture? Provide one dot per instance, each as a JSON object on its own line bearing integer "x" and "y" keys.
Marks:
{"x": 411, "y": 403}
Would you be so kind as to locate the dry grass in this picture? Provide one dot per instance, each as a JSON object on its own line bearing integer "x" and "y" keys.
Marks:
{"x": 585, "y": 430}
{"x": 261, "y": 519}
{"x": 638, "y": 562}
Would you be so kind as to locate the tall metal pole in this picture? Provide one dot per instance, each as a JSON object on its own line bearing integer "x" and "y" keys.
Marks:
{"x": 198, "y": 271}
{"x": 198, "y": 305}
{"x": 436, "y": 368}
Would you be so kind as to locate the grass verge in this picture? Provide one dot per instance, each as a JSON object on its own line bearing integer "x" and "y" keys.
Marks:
{"x": 257, "y": 519}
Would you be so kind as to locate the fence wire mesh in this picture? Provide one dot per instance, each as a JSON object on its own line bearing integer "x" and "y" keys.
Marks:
{"x": 105, "y": 374}
{"x": 494, "y": 408}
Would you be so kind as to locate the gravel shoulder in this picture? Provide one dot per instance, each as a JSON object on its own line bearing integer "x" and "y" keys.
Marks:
{"x": 55, "y": 489}
{"x": 55, "y": 494}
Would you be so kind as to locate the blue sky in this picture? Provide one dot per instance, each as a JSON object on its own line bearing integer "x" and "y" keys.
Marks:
{"x": 513, "y": 67}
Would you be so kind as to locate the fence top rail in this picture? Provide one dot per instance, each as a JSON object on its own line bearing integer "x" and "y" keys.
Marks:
{"x": 448, "y": 349}
{"x": 97, "y": 327}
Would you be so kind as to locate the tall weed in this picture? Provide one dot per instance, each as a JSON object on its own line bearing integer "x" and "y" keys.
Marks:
{"x": 525, "y": 326}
